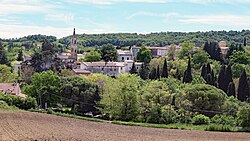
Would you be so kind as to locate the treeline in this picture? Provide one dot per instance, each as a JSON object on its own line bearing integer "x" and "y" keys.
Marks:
{"x": 38, "y": 38}
{"x": 158, "y": 39}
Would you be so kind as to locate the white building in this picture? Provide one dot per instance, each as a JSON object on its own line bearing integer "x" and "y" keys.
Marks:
{"x": 109, "y": 68}
{"x": 124, "y": 55}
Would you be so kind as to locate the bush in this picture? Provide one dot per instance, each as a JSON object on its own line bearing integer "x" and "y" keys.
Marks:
{"x": 200, "y": 119}
{"x": 222, "y": 128}
{"x": 244, "y": 116}
{"x": 4, "y": 105}
{"x": 224, "y": 120}
{"x": 169, "y": 115}
{"x": 184, "y": 116}
{"x": 11, "y": 100}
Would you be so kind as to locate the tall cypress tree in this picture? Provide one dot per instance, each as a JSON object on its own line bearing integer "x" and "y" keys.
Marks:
{"x": 231, "y": 89}
{"x": 3, "y": 57}
{"x": 152, "y": 74}
{"x": 158, "y": 74}
{"x": 144, "y": 71}
{"x": 188, "y": 73}
{"x": 133, "y": 69}
{"x": 243, "y": 89}
{"x": 165, "y": 70}
{"x": 245, "y": 41}
{"x": 221, "y": 77}
{"x": 204, "y": 71}
{"x": 228, "y": 76}
{"x": 20, "y": 55}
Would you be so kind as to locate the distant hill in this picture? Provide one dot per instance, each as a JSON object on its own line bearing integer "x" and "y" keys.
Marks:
{"x": 31, "y": 38}
{"x": 158, "y": 39}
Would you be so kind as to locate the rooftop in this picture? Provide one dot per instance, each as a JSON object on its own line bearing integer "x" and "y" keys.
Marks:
{"x": 11, "y": 88}
{"x": 103, "y": 64}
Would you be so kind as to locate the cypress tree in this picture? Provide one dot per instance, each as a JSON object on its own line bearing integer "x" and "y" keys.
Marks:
{"x": 152, "y": 74}
{"x": 177, "y": 74}
{"x": 158, "y": 75}
{"x": 144, "y": 71}
{"x": 133, "y": 69}
{"x": 165, "y": 70}
{"x": 221, "y": 78}
{"x": 20, "y": 55}
{"x": 204, "y": 71}
{"x": 228, "y": 76}
{"x": 243, "y": 89}
{"x": 3, "y": 57}
{"x": 188, "y": 73}
{"x": 210, "y": 79}
{"x": 231, "y": 89}
{"x": 245, "y": 42}
{"x": 208, "y": 68}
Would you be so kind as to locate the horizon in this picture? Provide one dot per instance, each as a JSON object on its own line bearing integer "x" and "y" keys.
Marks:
{"x": 20, "y": 18}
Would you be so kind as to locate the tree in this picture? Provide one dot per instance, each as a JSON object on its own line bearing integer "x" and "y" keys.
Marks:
{"x": 245, "y": 42}
{"x": 3, "y": 57}
{"x": 144, "y": 55}
{"x": 45, "y": 87}
{"x": 165, "y": 70}
{"x": 109, "y": 53}
{"x": 92, "y": 56}
{"x": 188, "y": 73}
{"x": 144, "y": 71}
{"x": 80, "y": 94}
{"x": 221, "y": 78}
{"x": 243, "y": 88}
{"x": 153, "y": 74}
{"x": 154, "y": 97}
{"x": 200, "y": 58}
{"x": 20, "y": 55}
{"x": 133, "y": 69}
{"x": 239, "y": 57}
{"x": 201, "y": 98}
{"x": 158, "y": 74}
{"x": 243, "y": 116}
{"x": 213, "y": 49}
{"x": 187, "y": 48}
{"x": 6, "y": 74}
{"x": 231, "y": 89}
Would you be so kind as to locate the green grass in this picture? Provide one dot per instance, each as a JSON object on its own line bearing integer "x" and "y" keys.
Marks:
{"x": 5, "y": 106}
{"x": 221, "y": 128}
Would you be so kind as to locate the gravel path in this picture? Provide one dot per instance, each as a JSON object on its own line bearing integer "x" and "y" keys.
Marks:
{"x": 27, "y": 126}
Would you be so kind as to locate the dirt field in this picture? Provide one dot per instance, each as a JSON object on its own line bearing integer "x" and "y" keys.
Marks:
{"x": 36, "y": 126}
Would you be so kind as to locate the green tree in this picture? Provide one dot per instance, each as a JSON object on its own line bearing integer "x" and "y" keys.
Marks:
{"x": 144, "y": 71}
{"x": 20, "y": 55}
{"x": 154, "y": 96}
{"x": 80, "y": 94}
{"x": 201, "y": 98}
{"x": 120, "y": 97}
{"x": 144, "y": 55}
{"x": 243, "y": 116}
{"x": 3, "y": 57}
{"x": 239, "y": 57}
{"x": 188, "y": 73}
{"x": 44, "y": 87}
{"x": 133, "y": 69}
{"x": 245, "y": 42}
{"x": 165, "y": 70}
{"x": 200, "y": 58}
{"x": 109, "y": 53}
{"x": 92, "y": 56}
{"x": 243, "y": 88}
{"x": 231, "y": 89}
{"x": 186, "y": 49}
{"x": 6, "y": 74}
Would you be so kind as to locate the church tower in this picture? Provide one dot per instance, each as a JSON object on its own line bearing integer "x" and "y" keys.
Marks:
{"x": 74, "y": 46}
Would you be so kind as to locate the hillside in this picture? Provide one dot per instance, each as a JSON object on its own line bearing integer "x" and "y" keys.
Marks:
{"x": 158, "y": 39}
{"x": 27, "y": 126}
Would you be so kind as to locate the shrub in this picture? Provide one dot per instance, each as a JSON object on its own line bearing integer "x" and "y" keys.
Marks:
{"x": 11, "y": 100}
{"x": 224, "y": 120}
{"x": 4, "y": 105}
{"x": 184, "y": 116}
{"x": 168, "y": 115}
{"x": 200, "y": 119}
{"x": 222, "y": 128}
{"x": 244, "y": 116}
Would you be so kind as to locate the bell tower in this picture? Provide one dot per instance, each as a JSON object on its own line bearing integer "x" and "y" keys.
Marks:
{"x": 73, "y": 46}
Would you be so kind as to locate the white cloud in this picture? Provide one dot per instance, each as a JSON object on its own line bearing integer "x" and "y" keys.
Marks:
{"x": 60, "y": 17}
{"x": 152, "y": 14}
{"x": 16, "y": 31}
{"x": 220, "y": 20}
{"x": 25, "y": 6}
{"x": 107, "y": 2}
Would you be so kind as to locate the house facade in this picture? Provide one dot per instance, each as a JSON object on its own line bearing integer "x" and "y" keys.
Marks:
{"x": 124, "y": 55}
{"x": 11, "y": 89}
{"x": 109, "y": 68}
{"x": 223, "y": 47}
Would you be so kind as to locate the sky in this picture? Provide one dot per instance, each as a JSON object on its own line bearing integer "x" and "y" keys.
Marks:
{"x": 20, "y": 18}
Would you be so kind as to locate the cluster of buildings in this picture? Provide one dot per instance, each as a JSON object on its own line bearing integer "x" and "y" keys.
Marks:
{"x": 123, "y": 65}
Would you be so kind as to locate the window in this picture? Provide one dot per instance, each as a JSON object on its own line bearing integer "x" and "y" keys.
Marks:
{"x": 114, "y": 69}
{"x": 111, "y": 69}
{"x": 127, "y": 58}
{"x": 122, "y": 58}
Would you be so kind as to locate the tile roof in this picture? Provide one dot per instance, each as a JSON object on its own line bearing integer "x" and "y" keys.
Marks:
{"x": 11, "y": 88}
{"x": 103, "y": 64}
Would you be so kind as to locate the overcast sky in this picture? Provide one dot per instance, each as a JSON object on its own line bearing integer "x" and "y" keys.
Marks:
{"x": 26, "y": 17}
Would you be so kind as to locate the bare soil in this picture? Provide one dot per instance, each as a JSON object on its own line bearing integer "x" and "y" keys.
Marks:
{"x": 27, "y": 126}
